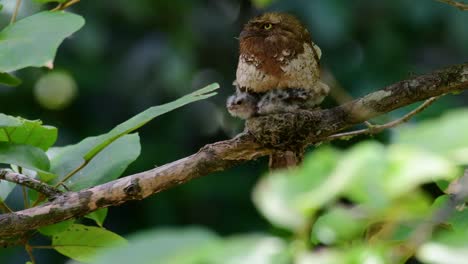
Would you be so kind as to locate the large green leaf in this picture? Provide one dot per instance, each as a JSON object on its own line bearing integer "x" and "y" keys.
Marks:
{"x": 28, "y": 132}
{"x": 444, "y": 136}
{"x": 108, "y": 165}
{"x": 25, "y": 156}
{"x": 276, "y": 194}
{"x": 33, "y": 41}
{"x": 8, "y": 79}
{"x": 172, "y": 246}
{"x": 339, "y": 225}
{"x": 67, "y": 159}
{"x": 84, "y": 242}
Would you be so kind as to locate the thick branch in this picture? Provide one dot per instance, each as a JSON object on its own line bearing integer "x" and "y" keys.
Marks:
{"x": 306, "y": 127}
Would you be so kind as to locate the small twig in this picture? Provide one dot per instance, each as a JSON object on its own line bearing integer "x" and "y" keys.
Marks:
{"x": 49, "y": 191}
{"x": 65, "y": 5}
{"x": 374, "y": 129}
{"x": 4, "y": 207}
{"x": 15, "y": 12}
{"x": 41, "y": 196}
{"x": 461, "y": 6}
{"x": 29, "y": 249}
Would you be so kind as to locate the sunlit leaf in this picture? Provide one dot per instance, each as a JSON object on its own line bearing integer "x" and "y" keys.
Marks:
{"x": 83, "y": 243}
{"x": 33, "y": 41}
{"x": 275, "y": 195}
{"x": 339, "y": 225}
{"x": 444, "y": 136}
{"x": 28, "y": 132}
{"x": 353, "y": 165}
{"x": 411, "y": 167}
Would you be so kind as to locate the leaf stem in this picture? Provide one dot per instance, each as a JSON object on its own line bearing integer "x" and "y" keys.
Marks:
{"x": 4, "y": 207}
{"x": 29, "y": 249}
{"x": 69, "y": 175}
{"x": 41, "y": 196}
{"x": 15, "y": 12}
{"x": 65, "y": 5}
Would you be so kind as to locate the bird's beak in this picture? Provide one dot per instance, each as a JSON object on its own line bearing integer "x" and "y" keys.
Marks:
{"x": 246, "y": 34}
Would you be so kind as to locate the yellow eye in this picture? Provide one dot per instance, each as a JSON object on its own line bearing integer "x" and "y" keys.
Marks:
{"x": 267, "y": 26}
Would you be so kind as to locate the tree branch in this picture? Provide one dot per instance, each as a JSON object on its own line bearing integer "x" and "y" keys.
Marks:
{"x": 461, "y": 6}
{"x": 281, "y": 131}
{"x": 20, "y": 179}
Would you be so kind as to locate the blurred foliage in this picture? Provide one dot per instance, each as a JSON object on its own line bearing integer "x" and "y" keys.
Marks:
{"x": 356, "y": 201}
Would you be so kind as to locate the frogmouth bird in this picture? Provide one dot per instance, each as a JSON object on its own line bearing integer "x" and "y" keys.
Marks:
{"x": 278, "y": 69}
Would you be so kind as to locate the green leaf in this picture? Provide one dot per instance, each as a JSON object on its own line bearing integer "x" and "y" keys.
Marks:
{"x": 141, "y": 119}
{"x": 53, "y": 229}
{"x": 98, "y": 216}
{"x": 447, "y": 247}
{"x": 339, "y": 225}
{"x": 252, "y": 248}
{"x": 8, "y": 79}
{"x": 369, "y": 163}
{"x": 444, "y": 136}
{"x": 411, "y": 167}
{"x": 26, "y": 156}
{"x": 28, "y": 132}
{"x": 67, "y": 159}
{"x": 33, "y": 41}
{"x": 353, "y": 165}
{"x": 182, "y": 245}
{"x": 276, "y": 194}
{"x": 108, "y": 165}
{"x": 83, "y": 243}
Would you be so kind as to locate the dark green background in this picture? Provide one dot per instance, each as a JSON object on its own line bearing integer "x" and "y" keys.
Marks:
{"x": 134, "y": 54}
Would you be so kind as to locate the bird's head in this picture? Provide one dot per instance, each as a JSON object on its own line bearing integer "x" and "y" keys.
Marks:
{"x": 273, "y": 32}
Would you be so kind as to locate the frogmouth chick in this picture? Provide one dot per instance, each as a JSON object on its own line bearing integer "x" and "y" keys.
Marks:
{"x": 278, "y": 69}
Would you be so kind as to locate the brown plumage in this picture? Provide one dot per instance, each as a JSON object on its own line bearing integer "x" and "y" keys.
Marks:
{"x": 278, "y": 67}
{"x": 276, "y": 51}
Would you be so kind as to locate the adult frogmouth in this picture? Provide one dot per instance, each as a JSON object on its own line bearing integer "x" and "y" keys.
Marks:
{"x": 278, "y": 69}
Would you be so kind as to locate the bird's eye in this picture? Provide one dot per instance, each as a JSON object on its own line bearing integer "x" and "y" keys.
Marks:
{"x": 267, "y": 26}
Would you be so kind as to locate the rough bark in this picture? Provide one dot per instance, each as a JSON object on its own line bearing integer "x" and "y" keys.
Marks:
{"x": 264, "y": 135}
